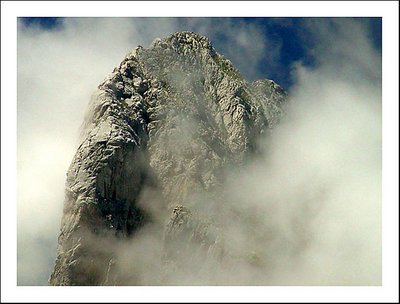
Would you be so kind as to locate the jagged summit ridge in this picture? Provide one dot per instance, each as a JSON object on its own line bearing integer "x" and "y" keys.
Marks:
{"x": 159, "y": 133}
{"x": 182, "y": 39}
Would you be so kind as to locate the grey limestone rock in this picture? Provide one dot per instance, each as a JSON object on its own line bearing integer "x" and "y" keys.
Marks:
{"x": 169, "y": 118}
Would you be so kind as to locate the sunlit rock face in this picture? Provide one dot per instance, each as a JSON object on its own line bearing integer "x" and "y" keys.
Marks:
{"x": 158, "y": 137}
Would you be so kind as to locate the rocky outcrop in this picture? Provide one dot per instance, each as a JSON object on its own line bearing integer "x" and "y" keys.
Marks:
{"x": 159, "y": 133}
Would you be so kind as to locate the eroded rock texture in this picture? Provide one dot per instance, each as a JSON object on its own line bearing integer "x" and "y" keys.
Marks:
{"x": 159, "y": 134}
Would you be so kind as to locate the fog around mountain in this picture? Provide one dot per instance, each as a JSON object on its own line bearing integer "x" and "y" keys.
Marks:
{"x": 316, "y": 184}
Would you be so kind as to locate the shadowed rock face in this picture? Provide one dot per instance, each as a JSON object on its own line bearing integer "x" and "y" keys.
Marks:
{"x": 159, "y": 132}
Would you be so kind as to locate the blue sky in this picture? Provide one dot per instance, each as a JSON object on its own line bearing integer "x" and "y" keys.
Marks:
{"x": 291, "y": 38}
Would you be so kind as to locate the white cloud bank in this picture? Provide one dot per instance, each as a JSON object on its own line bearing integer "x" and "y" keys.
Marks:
{"x": 58, "y": 70}
{"x": 321, "y": 186}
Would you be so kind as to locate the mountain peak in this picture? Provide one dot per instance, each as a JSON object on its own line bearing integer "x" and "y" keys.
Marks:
{"x": 187, "y": 37}
{"x": 184, "y": 42}
{"x": 159, "y": 133}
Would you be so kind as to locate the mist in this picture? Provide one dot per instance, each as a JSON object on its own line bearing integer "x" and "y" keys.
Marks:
{"x": 311, "y": 201}
{"x": 318, "y": 184}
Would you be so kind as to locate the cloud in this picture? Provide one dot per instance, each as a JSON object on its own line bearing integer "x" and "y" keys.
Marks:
{"x": 58, "y": 70}
{"x": 319, "y": 183}
{"x": 353, "y": 56}
{"x": 316, "y": 189}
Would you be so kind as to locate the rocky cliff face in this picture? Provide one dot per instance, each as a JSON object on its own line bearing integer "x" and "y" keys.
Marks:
{"x": 158, "y": 136}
